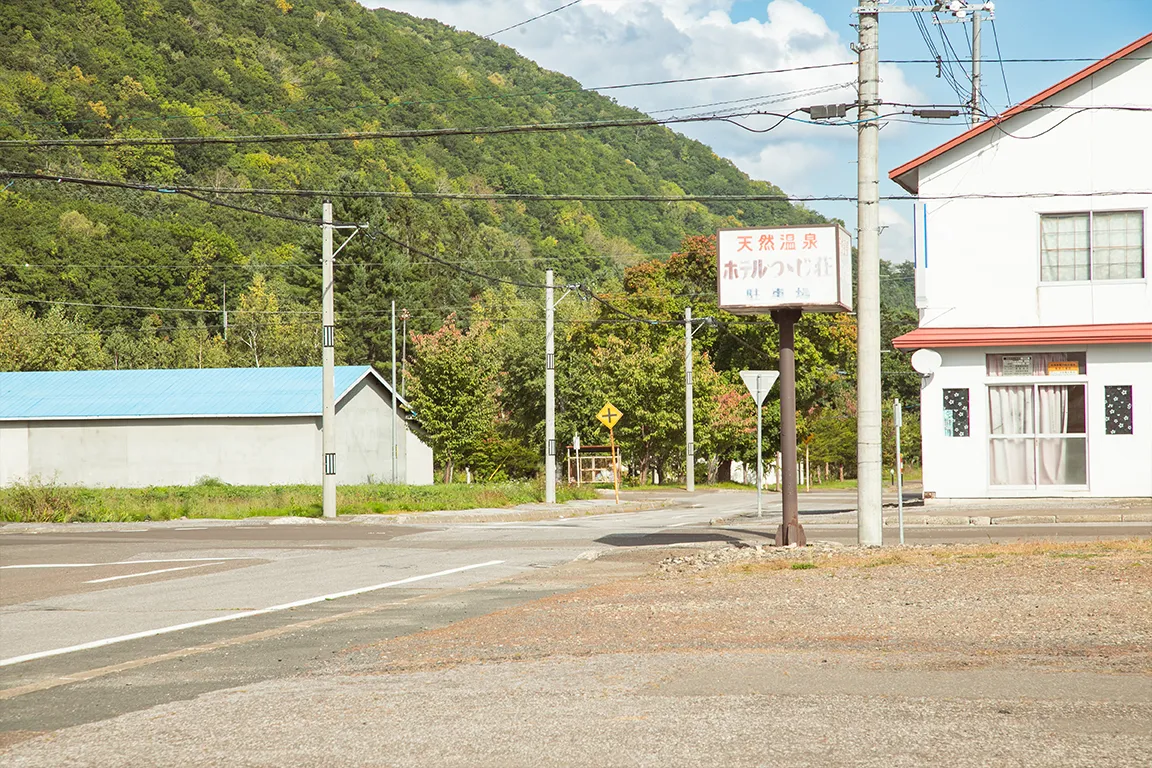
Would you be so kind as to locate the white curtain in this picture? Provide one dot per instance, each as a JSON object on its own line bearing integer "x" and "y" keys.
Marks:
{"x": 1052, "y": 460}
{"x": 1011, "y": 459}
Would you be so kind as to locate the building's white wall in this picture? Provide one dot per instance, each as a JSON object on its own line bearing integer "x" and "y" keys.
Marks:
{"x": 1118, "y": 465}
{"x": 419, "y": 460}
{"x": 134, "y": 453}
{"x": 364, "y": 436}
{"x": 984, "y": 254}
{"x": 955, "y": 467}
{"x": 13, "y": 452}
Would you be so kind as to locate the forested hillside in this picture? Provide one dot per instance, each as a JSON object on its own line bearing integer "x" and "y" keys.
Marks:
{"x": 94, "y": 276}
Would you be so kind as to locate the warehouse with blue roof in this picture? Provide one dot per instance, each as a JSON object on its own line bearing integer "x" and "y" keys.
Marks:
{"x": 243, "y": 426}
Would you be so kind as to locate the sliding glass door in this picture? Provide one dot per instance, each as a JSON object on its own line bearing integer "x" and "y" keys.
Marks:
{"x": 1037, "y": 435}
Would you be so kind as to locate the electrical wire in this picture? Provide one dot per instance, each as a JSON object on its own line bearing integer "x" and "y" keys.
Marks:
{"x": 383, "y": 194}
{"x": 424, "y": 133}
{"x": 489, "y": 36}
{"x": 1000, "y": 59}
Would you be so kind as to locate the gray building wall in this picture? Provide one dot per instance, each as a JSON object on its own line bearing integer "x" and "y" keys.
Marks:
{"x": 134, "y": 453}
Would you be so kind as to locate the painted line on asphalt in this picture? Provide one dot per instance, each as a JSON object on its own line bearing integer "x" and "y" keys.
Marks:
{"x": 264, "y": 634}
{"x": 151, "y": 573}
{"x": 235, "y": 616}
{"x": 129, "y": 562}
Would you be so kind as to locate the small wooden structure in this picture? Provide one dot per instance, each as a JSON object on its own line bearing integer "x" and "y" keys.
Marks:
{"x": 595, "y": 464}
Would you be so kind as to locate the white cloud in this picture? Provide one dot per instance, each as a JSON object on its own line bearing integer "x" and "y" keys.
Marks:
{"x": 602, "y": 42}
{"x": 895, "y": 233}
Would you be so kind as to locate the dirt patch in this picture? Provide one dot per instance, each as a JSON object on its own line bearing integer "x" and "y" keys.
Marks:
{"x": 1083, "y": 607}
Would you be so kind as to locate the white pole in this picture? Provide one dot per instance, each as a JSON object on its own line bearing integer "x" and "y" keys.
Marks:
{"x": 328, "y": 417}
{"x": 759, "y": 462}
{"x": 689, "y": 426}
{"x": 549, "y": 392}
{"x": 898, "y": 417}
{"x": 395, "y": 452}
{"x": 224, "y": 304}
{"x": 869, "y": 488}
{"x": 807, "y": 469}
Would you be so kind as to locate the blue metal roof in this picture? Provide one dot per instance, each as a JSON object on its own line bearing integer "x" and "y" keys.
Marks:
{"x": 170, "y": 393}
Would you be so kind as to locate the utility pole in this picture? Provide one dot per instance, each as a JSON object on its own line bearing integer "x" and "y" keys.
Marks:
{"x": 328, "y": 319}
{"x": 404, "y": 315}
{"x": 394, "y": 404}
{"x": 869, "y": 506}
{"x": 689, "y": 427}
{"x": 549, "y": 391}
{"x": 224, "y": 304}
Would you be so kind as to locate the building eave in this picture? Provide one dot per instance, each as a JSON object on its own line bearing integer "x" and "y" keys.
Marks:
{"x": 1030, "y": 336}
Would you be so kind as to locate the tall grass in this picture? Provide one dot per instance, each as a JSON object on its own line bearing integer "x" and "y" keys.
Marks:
{"x": 48, "y": 502}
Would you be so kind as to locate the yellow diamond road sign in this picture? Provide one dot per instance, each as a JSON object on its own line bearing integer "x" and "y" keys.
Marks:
{"x": 609, "y": 415}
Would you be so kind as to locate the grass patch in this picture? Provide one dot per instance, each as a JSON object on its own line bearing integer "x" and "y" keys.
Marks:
{"x": 967, "y": 555}
{"x": 46, "y": 502}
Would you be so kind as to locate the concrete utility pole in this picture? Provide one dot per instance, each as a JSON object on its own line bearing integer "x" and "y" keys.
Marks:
{"x": 869, "y": 480}
{"x": 404, "y": 315}
{"x": 549, "y": 391}
{"x": 689, "y": 426}
{"x": 224, "y": 306}
{"x": 395, "y": 452}
{"x": 328, "y": 319}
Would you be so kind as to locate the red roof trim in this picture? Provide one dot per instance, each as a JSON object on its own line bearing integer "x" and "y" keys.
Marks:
{"x": 975, "y": 131}
{"x": 1048, "y": 335}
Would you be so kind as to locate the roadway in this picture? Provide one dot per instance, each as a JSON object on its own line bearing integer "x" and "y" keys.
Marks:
{"x": 98, "y": 621}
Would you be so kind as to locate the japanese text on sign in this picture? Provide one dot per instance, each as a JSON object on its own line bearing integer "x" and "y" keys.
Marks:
{"x": 805, "y": 267}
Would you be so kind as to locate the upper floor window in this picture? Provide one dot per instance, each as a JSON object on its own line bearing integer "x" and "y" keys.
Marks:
{"x": 1092, "y": 246}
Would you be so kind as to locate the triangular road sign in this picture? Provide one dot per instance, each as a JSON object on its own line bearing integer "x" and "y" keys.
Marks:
{"x": 759, "y": 382}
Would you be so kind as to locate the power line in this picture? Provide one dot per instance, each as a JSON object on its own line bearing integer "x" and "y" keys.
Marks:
{"x": 489, "y": 36}
{"x": 420, "y": 133}
{"x": 389, "y": 194}
{"x": 1000, "y": 59}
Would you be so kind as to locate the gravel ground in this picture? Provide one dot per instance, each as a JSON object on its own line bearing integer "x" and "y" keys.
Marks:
{"x": 1029, "y": 654}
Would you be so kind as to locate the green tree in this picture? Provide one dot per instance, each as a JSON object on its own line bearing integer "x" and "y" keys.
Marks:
{"x": 452, "y": 388}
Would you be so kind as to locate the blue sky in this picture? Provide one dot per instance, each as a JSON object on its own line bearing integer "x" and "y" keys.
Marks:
{"x": 600, "y": 42}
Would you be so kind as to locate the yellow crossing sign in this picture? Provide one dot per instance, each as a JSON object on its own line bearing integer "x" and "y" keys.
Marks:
{"x": 609, "y": 415}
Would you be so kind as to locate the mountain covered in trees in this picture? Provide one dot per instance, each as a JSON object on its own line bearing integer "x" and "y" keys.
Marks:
{"x": 116, "y": 276}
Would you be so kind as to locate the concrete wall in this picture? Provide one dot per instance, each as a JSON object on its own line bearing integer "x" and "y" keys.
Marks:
{"x": 1118, "y": 465}
{"x": 132, "y": 453}
{"x": 984, "y": 255}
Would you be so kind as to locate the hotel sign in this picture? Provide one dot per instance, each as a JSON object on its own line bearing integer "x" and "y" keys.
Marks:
{"x": 807, "y": 267}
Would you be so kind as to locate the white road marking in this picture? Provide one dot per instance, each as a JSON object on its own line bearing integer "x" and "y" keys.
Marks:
{"x": 128, "y": 562}
{"x": 681, "y": 525}
{"x": 235, "y": 616}
{"x": 151, "y": 573}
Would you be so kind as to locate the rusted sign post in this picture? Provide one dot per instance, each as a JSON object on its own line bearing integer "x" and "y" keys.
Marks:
{"x": 608, "y": 416}
{"x": 784, "y": 271}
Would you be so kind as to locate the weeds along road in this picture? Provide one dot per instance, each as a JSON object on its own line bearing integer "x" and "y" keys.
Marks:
{"x": 104, "y": 620}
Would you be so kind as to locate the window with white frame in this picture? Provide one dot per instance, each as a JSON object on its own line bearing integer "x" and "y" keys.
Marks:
{"x": 1106, "y": 245}
{"x": 1038, "y": 425}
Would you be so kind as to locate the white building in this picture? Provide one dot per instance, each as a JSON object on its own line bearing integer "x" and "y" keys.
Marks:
{"x": 1034, "y": 292}
{"x": 244, "y": 426}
